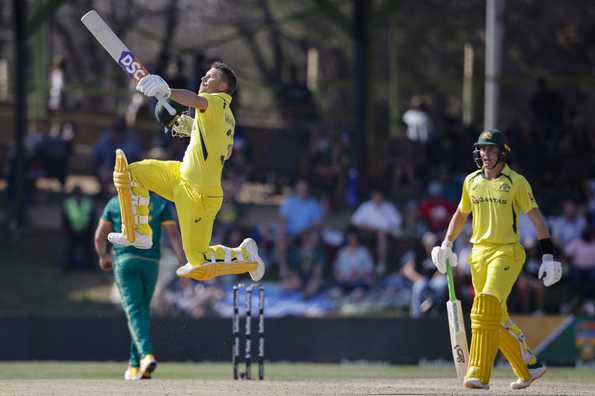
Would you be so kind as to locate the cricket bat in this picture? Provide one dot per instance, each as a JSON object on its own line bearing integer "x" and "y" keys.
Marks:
{"x": 456, "y": 325}
{"x": 116, "y": 48}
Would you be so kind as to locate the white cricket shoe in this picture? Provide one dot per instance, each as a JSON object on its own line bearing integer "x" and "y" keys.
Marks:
{"x": 536, "y": 371}
{"x": 141, "y": 241}
{"x": 475, "y": 383}
{"x": 250, "y": 245}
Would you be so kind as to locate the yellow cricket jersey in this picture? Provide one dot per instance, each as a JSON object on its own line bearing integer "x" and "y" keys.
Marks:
{"x": 496, "y": 205}
{"x": 211, "y": 143}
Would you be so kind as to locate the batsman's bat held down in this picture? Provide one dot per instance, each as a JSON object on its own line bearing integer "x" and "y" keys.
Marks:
{"x": 456, "y": 326}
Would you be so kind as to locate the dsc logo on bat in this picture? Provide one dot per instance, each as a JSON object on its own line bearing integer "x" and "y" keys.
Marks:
{"x": 131, "y": 66}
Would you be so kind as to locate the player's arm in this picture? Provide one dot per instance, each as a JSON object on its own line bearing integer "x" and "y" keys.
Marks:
{"x": 189, "y": 99}
{"x": 105, "y": 259}
{"x": 171, "y": 229}
{"x": 550, "y": 271}
{"x": 443, "y": 254}
{"x": 539, "y": 223}
{"x": 457, "y": 222}
{"x": 155, "y": 86}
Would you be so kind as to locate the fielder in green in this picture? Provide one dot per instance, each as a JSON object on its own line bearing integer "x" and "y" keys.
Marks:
{"x": 135, "y": 272}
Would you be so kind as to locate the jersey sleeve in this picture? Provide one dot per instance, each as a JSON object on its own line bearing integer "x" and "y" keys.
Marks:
{"x": 109, "y": 210}
{"x": 465, "y": 203}
{"x": 524, "y": 197}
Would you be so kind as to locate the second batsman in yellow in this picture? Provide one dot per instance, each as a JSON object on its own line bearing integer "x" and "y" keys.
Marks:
{"x": 194, "y": 184}
{"x": 496, "y": 195}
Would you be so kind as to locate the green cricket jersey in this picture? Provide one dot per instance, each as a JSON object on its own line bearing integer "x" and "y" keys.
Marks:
{"x": 160, "y": 212}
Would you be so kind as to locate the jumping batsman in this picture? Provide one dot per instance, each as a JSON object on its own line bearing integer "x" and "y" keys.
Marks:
{"x": 496, "y": 195}
{"x": 136, "y": 272}
{"x": 194, "y": 184}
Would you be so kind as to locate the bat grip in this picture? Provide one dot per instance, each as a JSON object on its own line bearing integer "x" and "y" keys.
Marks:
{"x": 167, "y": 106}
{"x": 451, "y": 284}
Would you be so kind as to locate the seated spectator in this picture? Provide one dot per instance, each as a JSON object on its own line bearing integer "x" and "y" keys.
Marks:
{"x": 381, "y": 219}
{"x": 299, "y": 212}
{"x": 429, "y": 285}
{"x": 353, "y": 267}
{"x": 569, "y": 225}
{"x": 529, "y": 291}
{"x": 581, "y": 253}
{"x": 306, "y": 265}
{"x": 436, "y": 210}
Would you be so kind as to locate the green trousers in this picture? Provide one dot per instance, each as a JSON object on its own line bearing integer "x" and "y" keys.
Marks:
{"x": 136, "y": 278}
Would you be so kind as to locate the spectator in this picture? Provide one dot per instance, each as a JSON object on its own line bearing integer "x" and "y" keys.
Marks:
{"x": 78, "y": 222}
{"x": 306, "y": 260}
{"x": 419, "y": 124}
{"x": 354, "y": 266}
{"x": 581, "y": 252}
{"x": 57, "y": 97}
{"x": 381, "y": 220}
{"x": 436, "y": 210}
{"x": 569, "y": 225}
{"x": 429, "y": 285}
{"x": 299, "y": 212}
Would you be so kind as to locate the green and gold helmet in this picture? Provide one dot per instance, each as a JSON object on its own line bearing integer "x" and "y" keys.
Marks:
{"x": 166, "y": 119}
{"x": 491, "y": 137}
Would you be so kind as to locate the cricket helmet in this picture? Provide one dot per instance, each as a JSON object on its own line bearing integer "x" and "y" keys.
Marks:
{"x": 491, "y": 137}
{"x": 166, "y": 119}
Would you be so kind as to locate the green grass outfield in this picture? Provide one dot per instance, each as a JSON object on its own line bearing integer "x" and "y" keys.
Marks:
{"x": 274, "y": 371}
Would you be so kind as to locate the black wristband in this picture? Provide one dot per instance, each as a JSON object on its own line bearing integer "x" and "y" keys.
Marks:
{"x": 546, "y": 246}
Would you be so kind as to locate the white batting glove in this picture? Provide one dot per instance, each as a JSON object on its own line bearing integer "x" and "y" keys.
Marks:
{"x": 443, "y": 254}
{"x": 154, "y": 86}
{"x": 550, "y": 270}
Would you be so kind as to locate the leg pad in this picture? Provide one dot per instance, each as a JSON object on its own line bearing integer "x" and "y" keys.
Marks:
{"x": 485, "y": 324}
{"x": 123, "y": 185}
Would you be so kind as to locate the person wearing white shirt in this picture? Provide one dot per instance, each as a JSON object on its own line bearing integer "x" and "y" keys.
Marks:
{"x": 382, "y": 219}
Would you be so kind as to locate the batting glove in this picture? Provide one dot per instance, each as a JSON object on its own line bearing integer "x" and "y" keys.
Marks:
{"x": 443, "y": 254}
{"x": 550, "y": 270}
{"x": 154, "y": 86}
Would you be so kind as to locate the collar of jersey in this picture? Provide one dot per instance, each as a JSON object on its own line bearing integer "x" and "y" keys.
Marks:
{"x": 504, "y": 172}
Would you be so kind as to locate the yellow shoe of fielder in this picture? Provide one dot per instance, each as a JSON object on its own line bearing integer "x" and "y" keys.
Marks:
{"x": 148, "y": 364}
{"x": 131, "y": 373}
{"x": 206, "y": 271}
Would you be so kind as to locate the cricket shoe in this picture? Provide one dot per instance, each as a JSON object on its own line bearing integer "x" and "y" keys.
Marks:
{"x": 250, "y": 245}
{"x": 141, "y": 241}
{"x": 148, "y": 364}
{"x": 475, "y": 383}
{"x": 131, "y": 373}
{"x": 536, "y": 370}
{"x": 207, "y": 271}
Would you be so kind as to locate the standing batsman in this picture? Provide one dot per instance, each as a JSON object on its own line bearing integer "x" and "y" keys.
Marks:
{"x": 496, "y": 195}
{"x": 194, "y": 184}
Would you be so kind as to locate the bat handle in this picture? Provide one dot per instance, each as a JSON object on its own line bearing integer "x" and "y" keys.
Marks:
{"x": 167, "y": 106}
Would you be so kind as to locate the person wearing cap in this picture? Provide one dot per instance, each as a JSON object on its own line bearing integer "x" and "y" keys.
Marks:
{"x": 496, "y": 195}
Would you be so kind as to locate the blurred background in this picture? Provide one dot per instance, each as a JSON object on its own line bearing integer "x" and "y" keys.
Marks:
{"x": 355, "y": 125}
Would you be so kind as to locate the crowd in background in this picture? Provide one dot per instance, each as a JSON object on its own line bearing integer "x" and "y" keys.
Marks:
{"x": 375, "y": 257}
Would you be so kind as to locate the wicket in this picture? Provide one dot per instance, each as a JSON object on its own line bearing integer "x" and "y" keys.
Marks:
{"x": 247, "y": 374}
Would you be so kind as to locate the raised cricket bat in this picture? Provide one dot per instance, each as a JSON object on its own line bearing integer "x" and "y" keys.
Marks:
{"x": 116, "y": 48}
{"x": 456, "y": 325}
